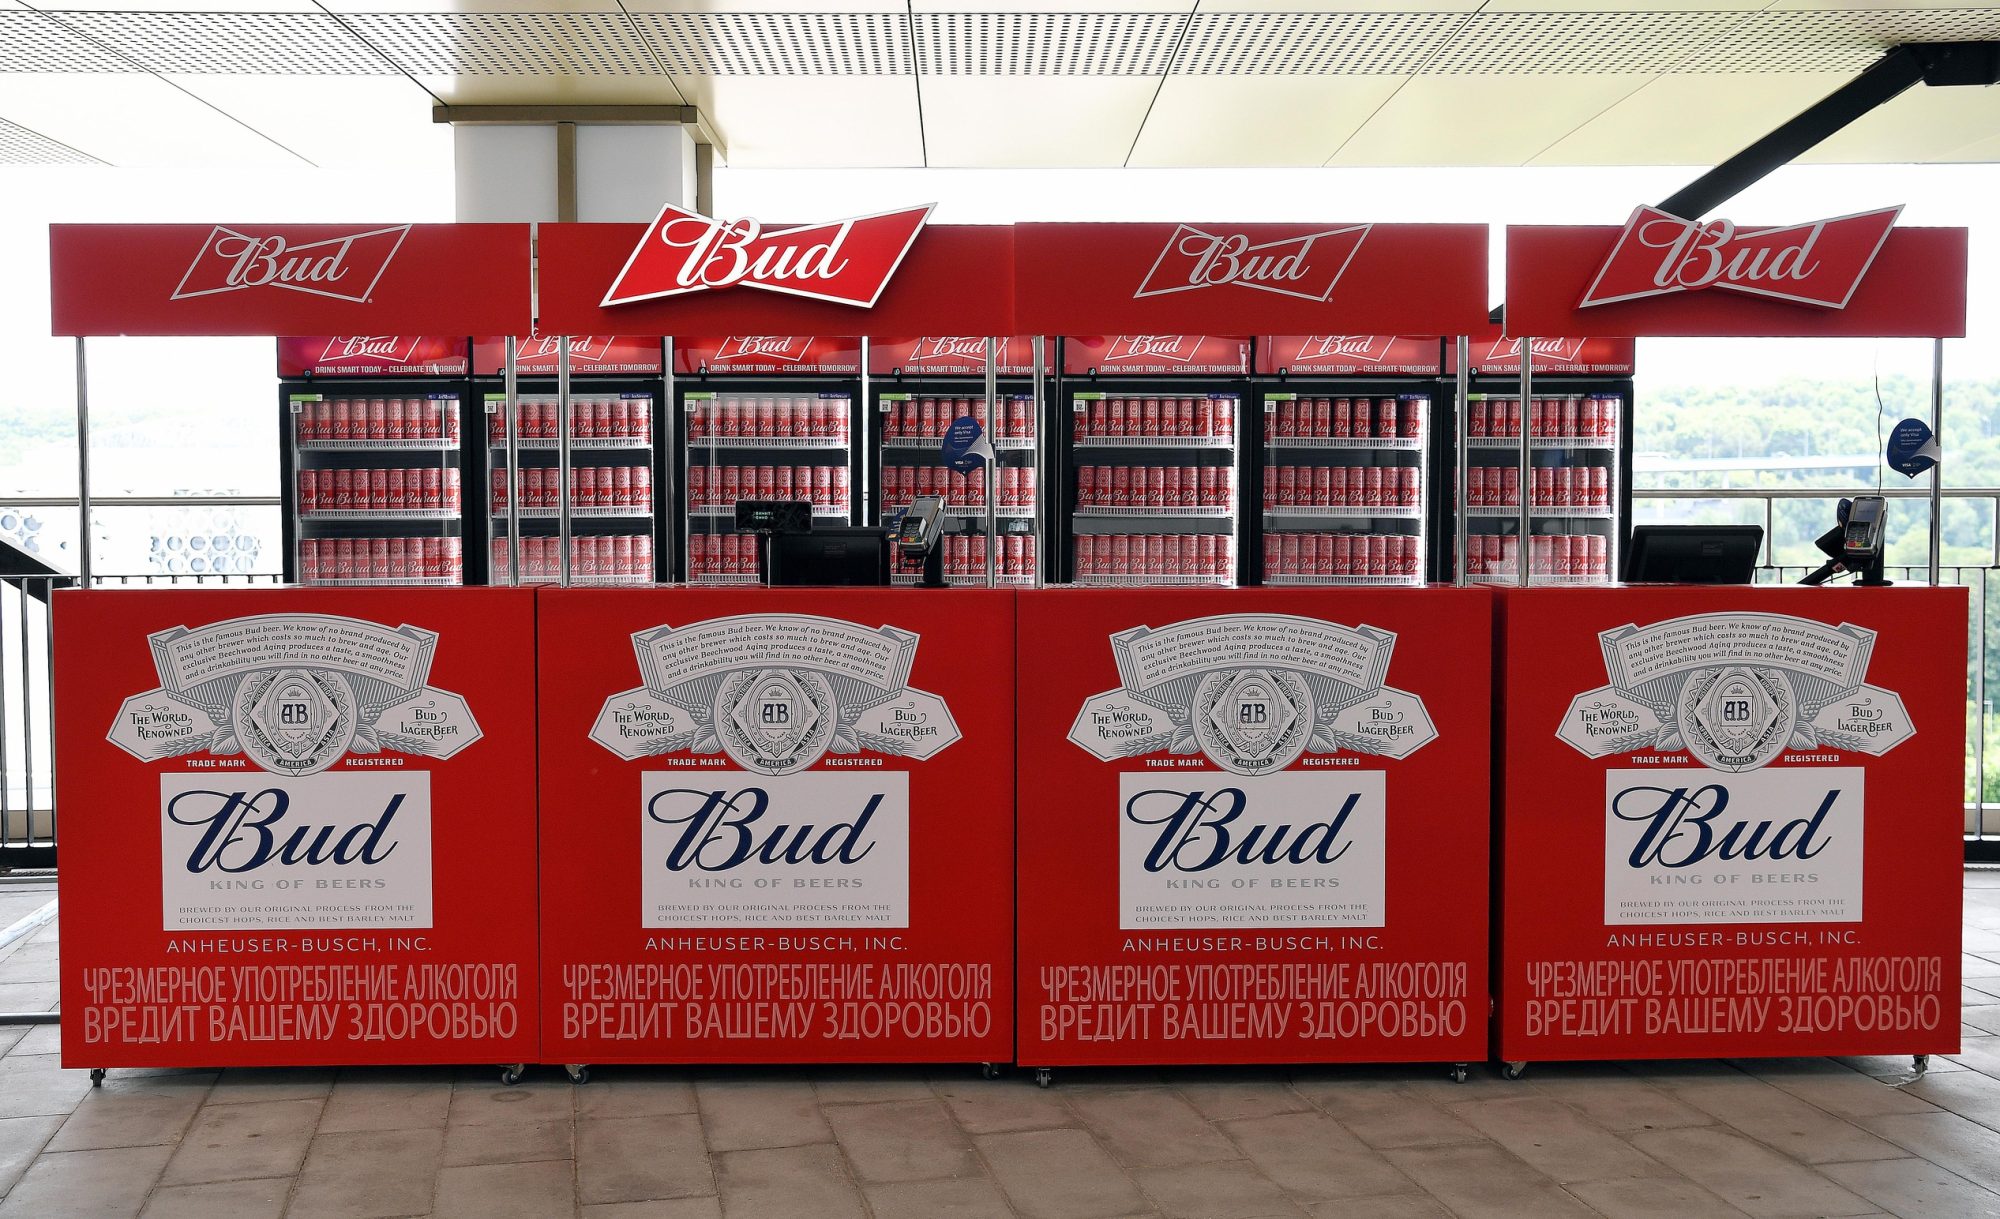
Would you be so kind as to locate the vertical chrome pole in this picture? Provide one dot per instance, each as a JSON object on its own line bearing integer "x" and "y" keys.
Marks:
{"x": 1463, "y": 458}
{"x": 1041, "y": 465}
{"x": 563, "y": 425}
{"x": 673, "y": 488}
{"x": 992, "y": 466}
{"x": 512, "y": 421}
{"x": 82, "y": 466}
{"x": 1937, "y": 471}
{"x": 1521, "y": 547}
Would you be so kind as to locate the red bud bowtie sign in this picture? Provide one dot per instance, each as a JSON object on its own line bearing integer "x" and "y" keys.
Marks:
{"x": 1819, "y": 263}
{"x": 848, "y": 262}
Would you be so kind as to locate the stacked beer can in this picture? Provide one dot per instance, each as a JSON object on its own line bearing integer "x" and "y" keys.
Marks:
{"x": 792, "y": 419}
{"x": 427, "y": 560}
{"x": 618, "y": 558}
{"x": 714, "y": 490}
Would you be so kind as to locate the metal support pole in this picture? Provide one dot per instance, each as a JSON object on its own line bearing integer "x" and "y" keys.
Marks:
{"x": 513, "y": 429}
{"x": 1937, "y": 471}
{"x": 82, "y": 466}
{"x": 562, "y": 455}
{"x": 993, "y": 466}
{"x": 1041, "y": 465}
{"x": 1463, "y": 457}
{"x": 1521, "y": 545}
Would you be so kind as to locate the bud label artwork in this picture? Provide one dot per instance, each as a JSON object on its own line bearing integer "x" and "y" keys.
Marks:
{"x": 847, "y": 262}
{"x": 1702, "y": 846}
{"x": 1307, "y": 266}
{"x": 1818, "y": 263}
{"x": 733, "y": 849}
{"x": 1200, "y": 848}
{"x": 345, "y": 268}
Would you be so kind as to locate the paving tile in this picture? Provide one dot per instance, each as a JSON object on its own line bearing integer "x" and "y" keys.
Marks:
{"x": 243, "y": 1142}
{"x": 1001, "y": 1106}
{"x": 11, "y": 1036}
{"x": 28, "y": 996}
{"x": 506, "y": 1191}
{"x": 910, "y": 1140}
{"x": 1059, "y": 1174}
{"x": 387, "y": 1098}
{"x": 1232, "y": 1189}
{"x": 1616, "y": 1101}
{"x": 39, "y": 1039}
{"x": 1480, "y": 1181}
{"x": 965, "y": 1198}
{"x": 250, "y": 1084}
{"x": 106, "y": 1184}
{"x": 142, "y": 1112}
{"x": 1898, "y": 1065}
{"x": 1947, "y": 1140}
{"x": 1383, "y": 1113}
{"x": 368, "y": 1174}
{"x": 658, "y": 1208}
{"x": 1223, "y": 1095}
{"x": 1150, "y": 1127}
{"x": 488, "y": 1102}
{"x": 1389, "y": 1206}
{"x": 1748, "y": 1175}
{"x": 1915, "y": 1187}
{"x": 620, "y": 1091}
{"x": 509, "y": 1143}
{"x": 635, "y": 1159}
{"x": 223, "y": 1200}
{"x": 35, "y": 1085}
{"x": 1554, "y": 1139}
{"x": 786, "y": 1183}
{"x": 1834, "y": 1088}
{"x": 1311, "y": 1155}
{"x": 1653, "y": 1198}
{"x": 860, "y": 1085}
{"x": 1781, "y": 1120}
{"x": 1969, "y": 1094}
{"x": 21, "y": 1140}
{"x": 760, "y": 1111}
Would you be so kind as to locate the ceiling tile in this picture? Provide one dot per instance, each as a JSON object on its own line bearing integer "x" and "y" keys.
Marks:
{"x": 1924, "y": 124}
{"x": 273, "y": 43}
{"x": 827, "y": 121}
{"x": 32, "y": 42}
{"x": 1364, "y": 44}
{"x": 778, "y": 44}
{"x": 1572, "y": 43}
{"x": 1214, "y": 121}
{"x": 20, "y": 146}
{"x": 655, "y": 90}
{"x": 1047, "y": 44}
{"x": 1433, "y": 120}
{"x": 133, "y": 120}
{"x": 1688, "y": 120}
{"x": 1040, "y": 120}
{"x": 380, "y": 123}
{"x": 584, "y": 44}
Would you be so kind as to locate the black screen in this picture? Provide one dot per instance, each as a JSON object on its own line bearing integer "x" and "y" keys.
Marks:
{"x": 1693, "y": 554}
{"x": 851, "y": 556}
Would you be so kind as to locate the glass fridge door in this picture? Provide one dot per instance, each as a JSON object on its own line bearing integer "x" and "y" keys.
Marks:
{"x": 1155, "y": 497}
{"x": 912, "y": 431}
{"x": 610, "y": 491}
{"x": 379, "y": 487}
{"x": 750, "y": 444}
{"x": 1343, "y": 488}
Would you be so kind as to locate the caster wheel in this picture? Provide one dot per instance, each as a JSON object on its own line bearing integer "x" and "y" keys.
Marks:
{"x": 510, "y": 1076}
{"x": 1458, "y": 1073}
{"x": 97, "y": 1077}
{"x": 1514, "y": 1070}
{"x": 1044, "y": 1077}
{"x": 989, "y": 1070}
{"x": 579, "y": 1073}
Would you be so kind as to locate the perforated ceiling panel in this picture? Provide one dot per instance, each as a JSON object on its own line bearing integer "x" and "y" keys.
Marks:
{"x": 508, "y": 44}
{"x": 1313, "y": 44}
{"x": 1046, "y": 44}
{"x": 30, "y": 42}
{"x": 779, "y": 44}
{"x": 1579, "y": 44}
{"x": 1836, "y": 41}
{"x": 257, "y": 44}
{"x": 20, "y": 146}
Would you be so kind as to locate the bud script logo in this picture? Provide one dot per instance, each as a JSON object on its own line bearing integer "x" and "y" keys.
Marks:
{"x": 377, "y": 348}
{"x": 954, "y": 349}
{"x": 1306, "y": 266}
{"x": 1368, "y": 348}
{"x": 1173, "y": 348}
{"x": 344, "y": 268}
{"x": 848, "y": 262}
{"x": 1819, "y": 263}
{"x": 1552, "y": 351}
{"x": 785, "y": 349}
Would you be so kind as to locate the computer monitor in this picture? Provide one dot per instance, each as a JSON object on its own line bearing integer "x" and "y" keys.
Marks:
{"x": 842, "y": 555}
{"x": 1693, "y": 554}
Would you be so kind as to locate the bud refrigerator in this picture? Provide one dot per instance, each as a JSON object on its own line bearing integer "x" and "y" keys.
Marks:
{"x": 1346, "y": 462}
{"x": 917, "y": 387}
{"x": 1577, "y": 476}
{"x": 615, "y": 384}
{"x": 761, "y": 417}
{"x": 1149, "y": 481}
{"x": 374, "y": 464}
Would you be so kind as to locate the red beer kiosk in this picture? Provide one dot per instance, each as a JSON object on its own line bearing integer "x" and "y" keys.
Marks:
{"x": 1730, "y": 816}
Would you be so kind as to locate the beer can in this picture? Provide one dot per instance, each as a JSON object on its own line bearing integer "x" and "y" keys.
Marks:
{"x": 1086, "y": 554}
{"x": 1320, "y": 423}
{"x": 1016, "y": 563}
{"x": 927, "y": 418}
{"x": 1406, "y": 486}
{"x": 1288, "y": 486}
{"x": 1206, "y": 495}
{"x": 1121, "y": 556}
{"x": 1309, "y": 554}
{"x": 395, "y": 496}
{"x": 1337, "y": 487}
{"x": 378, "y": 558}
{"x": 1287, "y": 424}
{"x": 603, "y": 419}
{"x": 1595, "y": 562}
{"x": 1571, "y": 422}
{"x": 836, "y": 415}
{"x": 1322, "y": 488}
{"x": 1475, "y": 417}
{"x": 1378, "y": 555}
{"x": 1510, "y": 487}
{"x": 393, "y": 420}
{"x": 1413, "y": 559}
{"x": 1189, "y": 495}
{"x": 429, "y": 494}
{"x": 1288, "y": 554}
{"x": 309, "y": 561}
{"x": 1114, "y": 417}
{"x": 697, "y": 486}
{"x": 1223, "y": 406}
{"x": 1200, "y": 554}
{"x": 1273, "y": 553}
{"x": 448, "y": 489}
{"x": 1121, "y": 487}
{"x": 1183, "y": 416}
{"x": 306, "y": 425}
{"x": 1599, "y": 494}
{"x": 1542, "y": 492}
{"x": 1021, "y": 414}
{"x": 1322, "y": 555}
{"x": 1342, "y": 563}
{"x": 1087, "y": 486}
{"x": 538, "y": 487}
{"x": 1513, "y": 428}
{"x": 371, "y": 489}
{"x": 1156, "y": 555}
{"x": 622, "y": 563}
{"x": 1099, "y": 419}
{"x": 1155, "y": 478}
{"x": 1588, "y": 417}
{"x": 308, "y": 492}
{"x": 1170, "y": 492}
{"x": 454, "y": 559}
{"x": 975, "y": 486}
{"x": 1149, "y": 418}
{"x": 927, "y": 481}
{"x": 1204, "y": 416}
{"x": 1340, "y": 418}
{"x": 621, "y": 486}
{"x": 376, "y": 427}
{"x": 839, "y": 487}
{"x": 343, "y": 420}
{"x": 448, "y": 418}
{"x": 582, "y": 426}
{"x": 766, "y": 482}
{"x": 1270, "y": 487}
{"x": 343, "y": 559}
{"x": 1225, "y": 486}
{"x": 1475, "y": 486}
{"x": 765, "y": 423}
{"x": 1412, "y": 417}
{"x": 426, "y": 489}
{"x": 1371, "y": 486}
{"x": 1010, "y": 487}
{"x": 1386, "y": 424}
{"x": 732, "y": 486}
{"x": 822, "y": 485}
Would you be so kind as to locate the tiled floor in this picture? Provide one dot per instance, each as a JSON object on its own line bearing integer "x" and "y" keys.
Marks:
{"x": 1794, "y": 1137}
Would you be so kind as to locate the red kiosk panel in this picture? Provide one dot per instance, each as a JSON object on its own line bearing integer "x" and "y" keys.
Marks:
{"x": 1254, "y": 828}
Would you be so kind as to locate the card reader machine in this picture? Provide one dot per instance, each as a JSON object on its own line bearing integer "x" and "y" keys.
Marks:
{"x": 1861, "y": 539}
{"x": 918, "y": 533}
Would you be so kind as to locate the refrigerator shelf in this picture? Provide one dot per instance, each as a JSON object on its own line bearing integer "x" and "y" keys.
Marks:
{"x": 1370, "y": 581}
{"x": 1540, "y": 512}
{"x": 728, "y": 511}
{"x": 1514, "y": 581}
{"x": 638, "y": 513}
{"x": 1407, "y": 444}
{"x": 904, "y": 579}
{"x": 384, "y": 582}
{"x": 577, "y": 444}
{"x": 577, "y": 581}
{"x": 1359, "y": 512}
{"x": 1544, "y": 442}
{"x": 1003, "y": 444}
{"x": 1155, "y": 442}
{"x": 432, "y": 445}
{"x": 970, "y": 511}
{"x": 715, "y": 577}
{"x": 1217, "y": 514}
{"x": 769, "y": 442}
{"x": 380, "y": 514}
{"x": 1156, "y": 581}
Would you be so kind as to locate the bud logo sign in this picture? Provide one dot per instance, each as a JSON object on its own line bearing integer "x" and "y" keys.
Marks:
{"x": 1819, "y": 263}
{"x": 764, "y": 845}
{"x": 293, "y": 694}
{"x": 1733, "y": 841}
{"x": 783, "y": 349}
{"x": 371, "y": 348}
{"x": 848, "y": 262}
{"x": 1255, "y": 845}
{"x": 345, "y": 268}
{"x": 1306, "y": 266}
{"x": 1541, "y": 351}
{"x": 1166, "y": 348}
